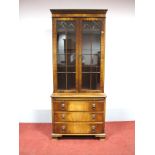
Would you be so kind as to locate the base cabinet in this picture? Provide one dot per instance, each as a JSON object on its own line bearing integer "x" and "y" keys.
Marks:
{"x": 78, "y": 116}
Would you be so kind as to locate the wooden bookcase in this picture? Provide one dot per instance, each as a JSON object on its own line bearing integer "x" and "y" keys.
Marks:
{"x": 78, "y": 99}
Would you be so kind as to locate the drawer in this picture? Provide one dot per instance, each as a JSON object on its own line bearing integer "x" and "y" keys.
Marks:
{"x": 78, "y": 105}
{"x": 78, "y": 116}
{"x": 78, "y": 128}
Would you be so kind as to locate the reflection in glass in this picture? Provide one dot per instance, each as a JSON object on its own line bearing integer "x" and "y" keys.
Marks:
{"x": 91, "y": 59}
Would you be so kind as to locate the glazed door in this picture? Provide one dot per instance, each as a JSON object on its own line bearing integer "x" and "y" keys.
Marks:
{"x": 92, "y": 55}
{"x": 65, "y": 53}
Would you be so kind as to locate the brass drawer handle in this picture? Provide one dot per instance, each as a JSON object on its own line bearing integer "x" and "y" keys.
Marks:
{"x": 93, "y": 128}
{"x": 62, "y": 106}
{"x": 93, "y": 106}
{"x": 93, "y": 116}
{"x": 63, "y": 116}
{"x": 63, "y": 128}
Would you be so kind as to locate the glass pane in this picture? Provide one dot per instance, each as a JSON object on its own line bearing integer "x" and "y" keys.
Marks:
{"x": 96, "y": 59}
{"x": 86, "y": 63}
{"x": 61, "y": 68}
{"x": 95, "y": 81}
{"x": 70, "y": 59}
{"x": 86, "y": 60}
{"x": 71, "y": 81}
{"x": 61, "y": 80}
{"x": 91, "y": 63}
{"x": 71, "y": 42}
{"x": 86, "y": 43}
{"x": 91, "y": 42}
{"x": 66, "y": 54}
{"x": 71, "y": 69}
{"x": 86, "y": 80}
{"x": 95, "y": 69}
{"x": 91, "y": 81}
{"x": 96, "y": 43}
{"x": 86, "y": 69}
{"x": 61, "y": 64}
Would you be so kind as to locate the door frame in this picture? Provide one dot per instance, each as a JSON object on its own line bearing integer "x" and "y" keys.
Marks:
{"x": 55, "y": 78}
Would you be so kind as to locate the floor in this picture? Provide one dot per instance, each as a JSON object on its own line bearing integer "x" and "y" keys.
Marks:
{"x": 34, "y": 139}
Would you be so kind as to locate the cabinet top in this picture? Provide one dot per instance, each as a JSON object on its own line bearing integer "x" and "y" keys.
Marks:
{"x": 74, "y": 95}
{"x": 78, "y": 12}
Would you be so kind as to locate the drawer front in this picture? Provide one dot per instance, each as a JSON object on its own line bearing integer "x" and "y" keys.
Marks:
{"x": 78, "y": 128}
{"x": 78, "y": 116}
{"x": 78, "y": 105}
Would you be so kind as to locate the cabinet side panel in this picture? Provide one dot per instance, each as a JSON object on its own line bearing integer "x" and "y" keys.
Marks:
{"x": 102, "y": 64}
{"x": 54, "y": 55}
